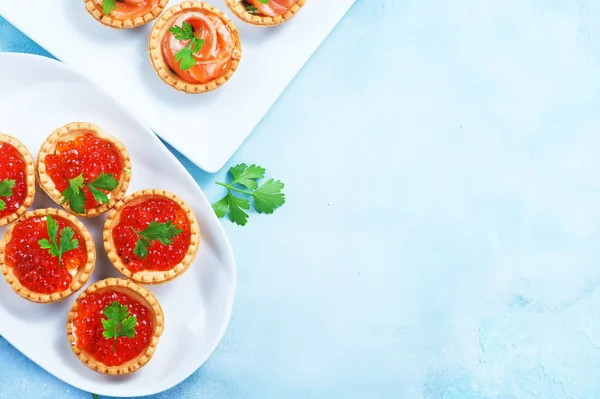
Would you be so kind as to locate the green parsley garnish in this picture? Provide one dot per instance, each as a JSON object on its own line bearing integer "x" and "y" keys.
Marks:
{"x": 252, "y": 9}
{"x": 267, "y": 197}
{"x": 185, "y": 56}
{"x": 161, "y": 232}
{"x": 76, "y": 196}
{"x": 6, "y": 187}
{"x": 108, "y": 6}
{"x": 118, "y": 322}
{"x": 95, "y": 396}
{"x": 62, "y": 246}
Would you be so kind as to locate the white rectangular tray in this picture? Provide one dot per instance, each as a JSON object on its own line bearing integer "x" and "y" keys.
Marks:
{"x": 206, "y": 128}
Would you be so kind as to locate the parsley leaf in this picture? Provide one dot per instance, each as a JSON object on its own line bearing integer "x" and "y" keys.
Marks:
{"x": 76, "y": 196}
{"x": 264, "y": 1}
{"x": 6, "y": 187}
{"x": 108, "y": 6}
{"x": 66, "y": 243}
{"x": 252, "y": 9}
{"x": 156, "y": 231}
{"x": 267, "y": 197}
{"x": 185, "y": 56}
{"x": 118, "y": 322}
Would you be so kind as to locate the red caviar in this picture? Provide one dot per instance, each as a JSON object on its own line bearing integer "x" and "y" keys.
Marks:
{"x": 35, "y": 268}
{"x": 138, "y": 217}
{"x": 89, "y": 328}
{"x": 13, "y": 167}
{"x": 87, "y": 154}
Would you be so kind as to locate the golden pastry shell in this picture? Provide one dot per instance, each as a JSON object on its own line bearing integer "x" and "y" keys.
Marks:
{"x": 141, "y": 294}
{"x": 150, "y": 277}
{"x": 162, "y": 68}
{"x": 239, "y": 9}
{"x": 69, "y": 132}
{"x": 79, "y": 280}
{"x": 94, "y": 10}
{"x": 30, "y": 172}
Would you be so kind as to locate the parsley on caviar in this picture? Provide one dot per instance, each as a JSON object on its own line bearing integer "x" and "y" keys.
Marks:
{"x": 186, "y": 54}
{"x": 162, "y": 232}
{"x": 62, "y": 246}
{"x": 267, "y": 197}
{"x": 109, "y": 6}
{"x": 76, "y": 197}
{"x": 118, "y": 322}
{"x": 6, "y": 187}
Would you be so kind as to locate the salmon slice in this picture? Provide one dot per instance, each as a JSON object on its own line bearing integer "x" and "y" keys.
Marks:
{"x": 127, "y": 9}
{"x": 215, "y": 57}
{"x": 273, "y": 7}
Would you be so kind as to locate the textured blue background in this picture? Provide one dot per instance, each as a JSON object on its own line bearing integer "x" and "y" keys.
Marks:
{"x": 441, "y": 234}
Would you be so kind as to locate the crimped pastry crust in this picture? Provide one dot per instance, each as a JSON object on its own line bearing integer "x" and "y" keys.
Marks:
{"x": 129, "y": 23}
{"x": 150, "y": 277}
{"x": 162, "y": 68}
{"x": 141, "y": 294}
{"x": 30, "y": 171}
{"x": 79, "y": 280}
{"x": 240, "y": 11}
{"x": 68, "y": 132}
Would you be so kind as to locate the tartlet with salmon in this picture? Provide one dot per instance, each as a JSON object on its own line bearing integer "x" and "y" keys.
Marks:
{"x": 84, "y": 169}
{"x": 265, "y": 12}
{"x": 125, "y": 14}
{"x": 17, "y": 179}
{"x": 114, "y": 326}
{"x": 194, "y": 47}
{"x": 47, "y": 255}
{"x": 151, "y": 237}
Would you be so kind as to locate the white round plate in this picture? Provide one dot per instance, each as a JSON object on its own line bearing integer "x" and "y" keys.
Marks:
{"x": 38, "y": 95}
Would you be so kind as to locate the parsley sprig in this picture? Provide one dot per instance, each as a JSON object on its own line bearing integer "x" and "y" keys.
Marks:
{"x": 156, "y": 231}
{"x": 76, "y": 196}
{"x": 58, "y": 248}
{"x": 6, "y": 187}
{"x": 185, "y": 56}
{"x": 118, "y": 322}
{"x": 267, "y": 197}
{"x": 109, "y": 6}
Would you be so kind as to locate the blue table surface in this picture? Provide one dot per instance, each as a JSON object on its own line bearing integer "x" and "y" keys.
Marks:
{"x": 441, "y": 236}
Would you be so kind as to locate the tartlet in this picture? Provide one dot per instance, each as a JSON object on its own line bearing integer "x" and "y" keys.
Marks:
{"x": 128, "y": 13}
{"x": 32, "y": 271}
{"x": 81, "y": 153}
{"x": 123, "y": 354}
{"x": 258, "y": 13}
{"x": 163, "y": 259}
{"x": 215, "y": 59}
{"x": 17, "y": 171}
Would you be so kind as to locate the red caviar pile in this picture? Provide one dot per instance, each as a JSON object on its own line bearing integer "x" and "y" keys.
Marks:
{"x": 138, "y": 217}
{"x": 35, "y": 268}
{"x": 13, "y": 167}
{"x": 87, "y": 154}
{"x": 89, "y": 328}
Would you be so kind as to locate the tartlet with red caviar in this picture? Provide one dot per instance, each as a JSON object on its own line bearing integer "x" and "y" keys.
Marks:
{"x": 194, "y": 47}
{"x": 17, "y": 179}
{"x": 265, "y": 13}
{"x": 114, "y": 326}
{"x": 47, "y": 255}
{"x": 125, "y": 14}
{"x": 151, "y": 237}
{"x": 84, "y": 169}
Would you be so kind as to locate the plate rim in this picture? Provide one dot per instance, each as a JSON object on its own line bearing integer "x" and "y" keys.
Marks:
{"x": 228, "y": 249}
